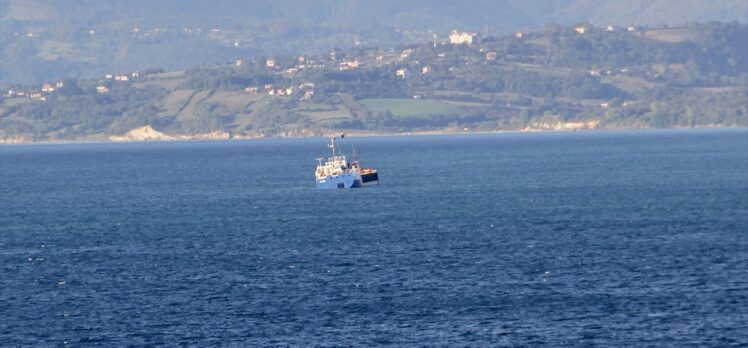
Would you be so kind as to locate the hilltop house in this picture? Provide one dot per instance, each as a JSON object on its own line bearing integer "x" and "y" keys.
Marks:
{"x": 349, "y": 64}
{"x": 121, "y": 78}
{"x": 309, "y": 85}
{"x": 461, "y": 37}
{"x": 270, "y": 62}
{"x": 102, "y": 89}
{"x": 47, "y": 88}
{"x": 426, "y": 70}
{"x": 491, "y": 56}
{"x": 308, "y": 95}
{"x": 580, "y": 29}
{"x": 251, "y": 90}
{"x": 401, "y": 73}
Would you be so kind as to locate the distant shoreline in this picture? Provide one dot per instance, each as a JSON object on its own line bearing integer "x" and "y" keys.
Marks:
{"x": 373, "y": 135}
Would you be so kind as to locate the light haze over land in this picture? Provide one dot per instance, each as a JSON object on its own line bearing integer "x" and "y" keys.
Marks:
{"x": 64, "y": 47}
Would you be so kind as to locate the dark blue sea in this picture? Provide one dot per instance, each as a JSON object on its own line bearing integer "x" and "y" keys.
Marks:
{"x": 551, "y": 239}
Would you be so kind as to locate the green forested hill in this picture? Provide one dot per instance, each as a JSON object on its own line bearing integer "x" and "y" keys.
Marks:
{"x": 43, "y": 39}
{"x": 560, "y": 78}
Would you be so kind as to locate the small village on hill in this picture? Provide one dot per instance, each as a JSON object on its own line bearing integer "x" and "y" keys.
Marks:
{"x": 558, "y": 79}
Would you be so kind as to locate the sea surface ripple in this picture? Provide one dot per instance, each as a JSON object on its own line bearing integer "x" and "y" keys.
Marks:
{"x": 572, "y": 239}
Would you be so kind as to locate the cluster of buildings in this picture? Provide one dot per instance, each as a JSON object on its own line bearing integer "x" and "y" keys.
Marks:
{"x": 302, "y": 62}
{"x": 47, "y": 88}
{"x": 304, "y": 90}
{"x": 349, "y": 65}
{"x": 102, "y": 89}
{"x": 123, "y": 77}
{"x": 342, "y": 64}
{"x": 582, "y": 29}
{"x": 609, "y": 72}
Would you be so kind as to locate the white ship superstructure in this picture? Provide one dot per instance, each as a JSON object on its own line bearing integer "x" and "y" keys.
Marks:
{"x": 338, "y": 172}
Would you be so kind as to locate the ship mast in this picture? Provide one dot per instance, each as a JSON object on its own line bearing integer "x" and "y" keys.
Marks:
{"x": 332, "y": 145}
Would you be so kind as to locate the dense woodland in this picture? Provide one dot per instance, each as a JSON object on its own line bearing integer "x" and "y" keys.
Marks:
{"x": 611, "y": 78}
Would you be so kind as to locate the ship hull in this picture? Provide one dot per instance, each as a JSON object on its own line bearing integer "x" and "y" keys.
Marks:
{"x": 341, "y": 181}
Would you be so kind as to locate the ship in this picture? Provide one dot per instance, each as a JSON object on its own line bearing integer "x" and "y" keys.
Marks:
{"x": 338, "y": 172}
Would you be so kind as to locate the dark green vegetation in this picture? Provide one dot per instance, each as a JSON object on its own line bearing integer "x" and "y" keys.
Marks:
{"x": 694, "y": 76}
{"x": 53, "y": 39}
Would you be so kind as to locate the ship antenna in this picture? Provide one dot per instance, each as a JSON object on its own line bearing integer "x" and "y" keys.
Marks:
{"x": 332, "y": 142}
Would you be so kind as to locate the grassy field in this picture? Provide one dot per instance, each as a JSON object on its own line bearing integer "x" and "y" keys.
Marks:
{"x": 308, "y": 106}
{"x": 52, "y": 50}
{"x": 672, "y": 35}
{"x": 629, "y": 84}
{"x": 411, "y": 107}
{"x": 339, "y": 114}
{"x": 14, "y": 101}
{"x": 233, "y": 100}
{"x": 170, "y": 84}
{"x": 464, "y": 103}
{"x": 190, "y": 107}
{"x": 175, "y": 101}
{"x": 544, "y": 70}
{"x": 18, "y": 10}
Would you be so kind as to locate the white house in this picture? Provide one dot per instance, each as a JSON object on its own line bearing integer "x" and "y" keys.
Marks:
{"x": 462, "y": 37}
{"x": 349, "y": 64}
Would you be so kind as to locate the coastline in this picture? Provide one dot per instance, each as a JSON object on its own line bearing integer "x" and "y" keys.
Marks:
{"x": 355, "y": 134}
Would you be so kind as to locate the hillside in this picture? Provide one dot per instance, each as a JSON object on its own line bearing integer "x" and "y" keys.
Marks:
{"x": 44, "y": 40}
{"x": 561, "y": 78}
